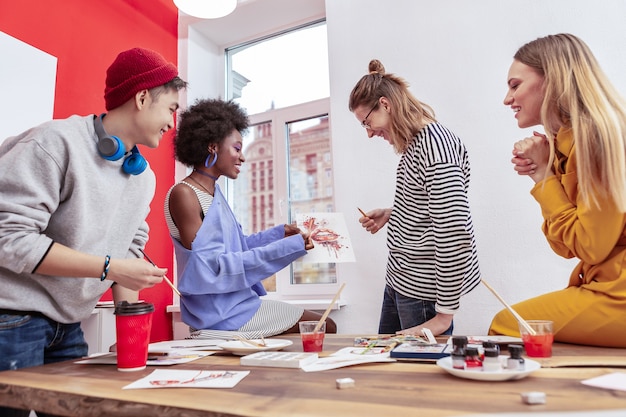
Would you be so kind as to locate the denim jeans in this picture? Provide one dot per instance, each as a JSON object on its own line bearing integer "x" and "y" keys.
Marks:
{"x": 400, "y": 312}
{"x": 31, "y": 340}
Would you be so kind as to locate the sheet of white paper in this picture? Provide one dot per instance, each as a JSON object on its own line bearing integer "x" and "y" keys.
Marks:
{"x": 174, "y": 357}
{"x": 171, "y": 357}
{"x": 187, "y": 344}
{"x": 165, "y": 378}
{"x": 347, "y": 357}
{"x": 535, "y": 413}
{"x": 100, "y": 358}
{"x": 329, "y": 235}
{"x": 615, "y": 380}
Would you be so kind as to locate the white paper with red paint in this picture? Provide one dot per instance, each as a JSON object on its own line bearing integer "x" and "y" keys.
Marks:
{"x": 330, "y": 237}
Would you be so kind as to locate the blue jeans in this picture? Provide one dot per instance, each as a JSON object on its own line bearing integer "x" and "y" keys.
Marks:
{"x": 400, "y": 312}
{"x": 31, "y": 340}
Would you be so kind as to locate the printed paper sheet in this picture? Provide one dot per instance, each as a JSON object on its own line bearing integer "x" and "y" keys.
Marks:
{"x": 329, "y": 234}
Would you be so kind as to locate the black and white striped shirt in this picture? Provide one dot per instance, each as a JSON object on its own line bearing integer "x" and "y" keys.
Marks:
{"x": 432, "y": 250}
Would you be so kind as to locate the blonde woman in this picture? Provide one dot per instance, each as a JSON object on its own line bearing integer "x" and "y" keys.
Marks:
{"x": 432, "y": 257}
{"x": 579, "y": 170}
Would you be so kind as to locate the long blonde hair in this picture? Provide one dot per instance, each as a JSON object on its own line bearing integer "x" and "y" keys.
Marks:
{"x": 578, "y": 92}
{"x": 408, "y": 114}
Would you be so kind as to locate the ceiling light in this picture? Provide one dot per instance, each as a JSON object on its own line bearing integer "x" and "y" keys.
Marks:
{"x": 206, "y": 9}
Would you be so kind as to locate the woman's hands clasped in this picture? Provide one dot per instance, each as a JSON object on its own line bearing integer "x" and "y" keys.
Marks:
{"x": 531, "y": 156}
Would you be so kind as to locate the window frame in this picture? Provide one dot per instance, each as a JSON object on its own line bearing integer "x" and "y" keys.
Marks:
{"x": 312, "y": 296}
{"x": 279, "y": 119}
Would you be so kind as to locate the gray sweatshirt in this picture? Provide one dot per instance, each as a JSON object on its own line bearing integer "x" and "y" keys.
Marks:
{"x": 55, "y": 187}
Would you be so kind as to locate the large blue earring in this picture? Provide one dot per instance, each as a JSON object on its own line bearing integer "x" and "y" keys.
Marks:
{"x": 210, "y": 164}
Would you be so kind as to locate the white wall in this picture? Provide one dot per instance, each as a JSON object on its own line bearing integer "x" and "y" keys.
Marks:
{"x": 201, "y": 64}
{"x": 455, "y": 54}
{"x": 28, "y": 86}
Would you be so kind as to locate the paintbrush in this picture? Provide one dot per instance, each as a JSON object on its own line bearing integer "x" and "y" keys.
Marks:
{"x": 332, "y": 303}
{"x": 164, "y": 278}
{"x": 390, "y": 347}
{"x": 511, "y": 310}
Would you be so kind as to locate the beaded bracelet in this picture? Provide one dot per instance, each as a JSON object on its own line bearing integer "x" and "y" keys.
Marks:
{"x": 105, "y": 271}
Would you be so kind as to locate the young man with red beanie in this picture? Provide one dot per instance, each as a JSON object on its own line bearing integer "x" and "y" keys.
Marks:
{"x": 74, "y": 196}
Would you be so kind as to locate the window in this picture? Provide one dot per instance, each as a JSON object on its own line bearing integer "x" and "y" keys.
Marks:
{"x": 282, "y": 70}
{"x": 307, "y": 141}
{"x": 288, "y": 168}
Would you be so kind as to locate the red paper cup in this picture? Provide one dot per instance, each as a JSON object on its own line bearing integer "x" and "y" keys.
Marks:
{"x": 133, "y": 322}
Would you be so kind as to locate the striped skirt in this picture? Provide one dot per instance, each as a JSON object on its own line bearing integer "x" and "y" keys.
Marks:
{"x": 273, "y": 317}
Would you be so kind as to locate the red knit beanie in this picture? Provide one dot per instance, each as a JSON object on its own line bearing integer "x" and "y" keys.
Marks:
{"x": 135, "y": 70}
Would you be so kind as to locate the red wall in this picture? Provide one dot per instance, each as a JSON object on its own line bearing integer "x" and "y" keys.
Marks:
{"x": 85, "y": 37}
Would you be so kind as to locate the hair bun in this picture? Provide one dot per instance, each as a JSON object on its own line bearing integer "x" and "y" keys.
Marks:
{"x": 376, "y": 67}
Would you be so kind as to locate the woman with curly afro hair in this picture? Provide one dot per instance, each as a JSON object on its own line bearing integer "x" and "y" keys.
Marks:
{"x": 220, "y": 269}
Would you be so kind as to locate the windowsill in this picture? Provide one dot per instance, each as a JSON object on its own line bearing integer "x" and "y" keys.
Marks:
{"x": 307, "y": 304}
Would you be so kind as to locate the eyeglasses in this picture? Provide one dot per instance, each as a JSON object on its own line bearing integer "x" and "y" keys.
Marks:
{"x": 364, "y": 122}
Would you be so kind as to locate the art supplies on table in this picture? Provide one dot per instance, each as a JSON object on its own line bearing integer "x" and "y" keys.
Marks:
{"x": 503, "y": 374}
{"x": 386, "y": 340}
{"x": 501, "y": 341}
{"x": 419, "y": 352}
{"x": 279, "y": 359}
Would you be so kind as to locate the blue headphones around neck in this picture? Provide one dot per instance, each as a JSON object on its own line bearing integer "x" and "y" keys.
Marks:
{"x": 112, "y": 148}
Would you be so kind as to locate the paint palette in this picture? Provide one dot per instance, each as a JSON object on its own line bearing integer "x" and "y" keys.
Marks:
{"x": 503, "y": 375}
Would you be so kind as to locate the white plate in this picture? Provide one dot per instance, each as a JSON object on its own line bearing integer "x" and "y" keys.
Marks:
{"x": 237, "y": 347}
{"x": 503, "y": 375}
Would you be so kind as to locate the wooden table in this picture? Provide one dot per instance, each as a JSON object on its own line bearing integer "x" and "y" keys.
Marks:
{"x": 381, "y": 389}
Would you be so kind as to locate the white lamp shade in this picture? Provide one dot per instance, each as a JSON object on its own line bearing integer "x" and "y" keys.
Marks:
{"x": 206, "y": 9}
